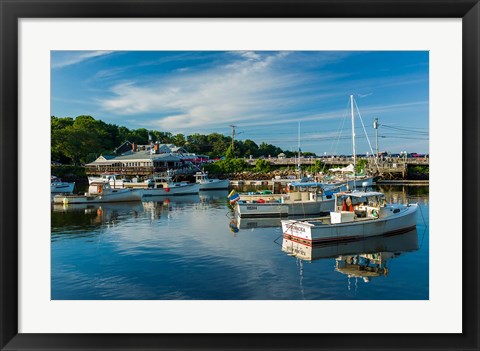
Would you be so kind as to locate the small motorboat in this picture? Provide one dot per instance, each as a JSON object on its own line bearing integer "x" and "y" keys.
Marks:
{"x": 104, "y": 193}
{"x": 162, "y": 186}
{"x": 57, "y": 186}
{"x": 116, "y": 181}
{"x": 206, "y": 183}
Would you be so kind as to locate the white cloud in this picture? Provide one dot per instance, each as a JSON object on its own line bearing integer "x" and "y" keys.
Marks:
{"x": 253, "y": 89}
{"x": 63, "y": 59}
{"x": 250, "y": 55}
{"x": 244, "y": 89}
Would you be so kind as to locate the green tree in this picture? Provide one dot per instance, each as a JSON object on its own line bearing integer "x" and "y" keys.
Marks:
{"x": 263, "y": 166}
{"x": 250, "y": 148}
{"x": 229, "y": 155}
{"x": 162, "y": 137}
{"x": 179, "y": 140}
{"x": 268, "y": 150}
{"x": 360, "y": 166}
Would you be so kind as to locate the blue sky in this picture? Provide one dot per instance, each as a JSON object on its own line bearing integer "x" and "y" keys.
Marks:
{"x": 266, "y": 94}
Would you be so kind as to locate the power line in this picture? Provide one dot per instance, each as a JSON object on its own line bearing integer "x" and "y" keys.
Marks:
{"x": 405, "y": 130}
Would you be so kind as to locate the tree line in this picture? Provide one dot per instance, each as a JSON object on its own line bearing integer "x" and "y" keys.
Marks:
{"x": 82, "y": 139}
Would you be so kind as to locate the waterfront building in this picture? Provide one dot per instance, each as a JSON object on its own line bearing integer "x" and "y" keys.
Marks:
{"x": 132, "y": 159}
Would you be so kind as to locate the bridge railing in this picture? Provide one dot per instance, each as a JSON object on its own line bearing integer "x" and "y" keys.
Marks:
{"x": 344, "y": 160}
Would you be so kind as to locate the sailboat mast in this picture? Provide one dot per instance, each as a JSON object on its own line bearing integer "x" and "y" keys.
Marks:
{"x": 353, "y": 141}
{"x": 299, "y": 148}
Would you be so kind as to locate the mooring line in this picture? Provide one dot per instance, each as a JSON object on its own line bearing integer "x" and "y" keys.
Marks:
{"x": 421, "y": 212}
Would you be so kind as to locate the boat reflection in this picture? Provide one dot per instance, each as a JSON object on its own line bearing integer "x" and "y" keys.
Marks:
{"x": 172, "y": 200}
{"x": 365, "y": 258}
{"x": 261, "y": 222}
{"x": 252, "y": 223}
{"x": 93, "y": 215}
{"x": 214, "y": 196}
{"x": 112, "y": 213}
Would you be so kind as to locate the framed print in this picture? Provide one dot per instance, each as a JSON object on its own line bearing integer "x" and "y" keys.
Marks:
{"x": 302, "y": 117}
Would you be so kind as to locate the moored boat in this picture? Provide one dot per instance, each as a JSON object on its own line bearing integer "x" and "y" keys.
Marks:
{"x": 57, "y": 186}
{"x": 116, "y": 181}
{"x": 162, "y": 186}
{"x": 104, "y": 193}
{"x": 206, "y": 183}
{"x": 357, "y": 215}
{"x": 307, "y": 198}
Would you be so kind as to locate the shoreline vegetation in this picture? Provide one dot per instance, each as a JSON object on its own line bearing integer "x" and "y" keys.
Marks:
{"x": 82, "y": 139}
{"x": 76, "y": 141}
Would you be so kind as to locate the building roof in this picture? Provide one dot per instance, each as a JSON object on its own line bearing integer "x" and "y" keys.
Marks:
{"x": 142, "y": 156}
{"x": 166, "y": 158}
{"x": 126, "y": 143}
{"x": 130, "y": 155}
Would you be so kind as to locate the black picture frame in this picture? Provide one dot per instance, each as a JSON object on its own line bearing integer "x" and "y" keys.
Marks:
{"x": 11, "y": 11}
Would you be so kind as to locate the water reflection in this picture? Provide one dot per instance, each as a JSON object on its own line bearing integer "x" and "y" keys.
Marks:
{"x": 193, "y": 247}
{"x": 361, "y": 259}
{"x": 252, "y": 223}
{"x": 214, "y": 196}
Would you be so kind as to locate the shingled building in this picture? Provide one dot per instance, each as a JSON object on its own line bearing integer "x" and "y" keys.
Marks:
{"x": 132, "y": 159}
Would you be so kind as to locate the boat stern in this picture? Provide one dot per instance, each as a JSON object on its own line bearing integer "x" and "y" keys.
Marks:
{"x": 297, "y": 230}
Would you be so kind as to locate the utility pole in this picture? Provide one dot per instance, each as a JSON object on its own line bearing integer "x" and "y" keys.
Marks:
{"x": 375, "y": 125}
{"x": 233, "y": 136}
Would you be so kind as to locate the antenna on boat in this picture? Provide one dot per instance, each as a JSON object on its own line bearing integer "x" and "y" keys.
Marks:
{"x": 353, "y": 141}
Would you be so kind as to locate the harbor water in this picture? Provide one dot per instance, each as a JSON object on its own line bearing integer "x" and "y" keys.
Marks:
{"x": 194, "y": 247}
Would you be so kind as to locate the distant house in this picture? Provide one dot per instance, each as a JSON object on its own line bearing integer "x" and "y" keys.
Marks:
{"x": 281, "y": 156}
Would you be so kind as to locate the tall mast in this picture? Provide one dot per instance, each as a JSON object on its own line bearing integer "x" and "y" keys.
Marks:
{"x": 299, "y": 167}
{"x": 353, "y": 141}
{"x": 375, "y": 126}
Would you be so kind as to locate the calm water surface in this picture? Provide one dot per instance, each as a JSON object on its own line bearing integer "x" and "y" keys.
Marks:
{"x": 193, "y": 247}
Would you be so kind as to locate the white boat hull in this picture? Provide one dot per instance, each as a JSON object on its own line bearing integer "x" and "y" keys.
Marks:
{"x": 278, "y": 209}
{"x": 314, "y": 232}
{"x": 62, "y": 187}
{"x": 360, "y": 182}
{"x": 256, "y": 197}
{"x": 123, "y": 195}
{"x": 114, "y": 183}
{"x": 176, "y": 189}
{"x": 214, "y": 184}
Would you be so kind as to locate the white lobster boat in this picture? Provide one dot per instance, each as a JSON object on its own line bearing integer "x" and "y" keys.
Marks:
{"x": 57, "y": 186}
{"x": 104, "y": 193}
{"x": 357, "y": 215}
{"x": 163, "y": 186}
{"x": 116, "y": 181}
{"x": 206, "y": 183}
{"x": 307, "y": 198}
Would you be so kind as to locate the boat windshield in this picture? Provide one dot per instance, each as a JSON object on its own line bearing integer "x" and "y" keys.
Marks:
{"x": 351, "y": 201}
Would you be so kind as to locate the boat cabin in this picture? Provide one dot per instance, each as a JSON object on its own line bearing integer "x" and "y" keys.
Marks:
{"x": 201, "y": 177}
{"x": 308, "y": 191}
{"x": 357, "y": 204}
{"x": 165, "y": 182}
{"x": 99, "y": 188}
